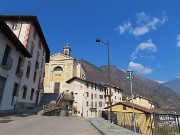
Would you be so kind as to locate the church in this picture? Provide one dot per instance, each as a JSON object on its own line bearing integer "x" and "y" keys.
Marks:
{"x": 65, "y": 73}
{"x": 61, "y": 68}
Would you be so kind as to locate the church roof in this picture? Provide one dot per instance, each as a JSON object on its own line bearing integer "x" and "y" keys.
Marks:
{"x": 61, "y": 55}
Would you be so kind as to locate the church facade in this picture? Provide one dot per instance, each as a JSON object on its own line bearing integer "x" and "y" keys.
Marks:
{"x": 61, "y": 68}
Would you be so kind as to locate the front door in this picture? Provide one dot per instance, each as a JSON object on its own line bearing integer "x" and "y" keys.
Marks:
{"x": 2, "y": 84}
{"x": 37, "y": 98}
{"x": 56, "y": 87}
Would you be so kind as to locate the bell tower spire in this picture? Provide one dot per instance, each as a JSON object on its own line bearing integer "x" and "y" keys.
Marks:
{"x": 67, "y": 50}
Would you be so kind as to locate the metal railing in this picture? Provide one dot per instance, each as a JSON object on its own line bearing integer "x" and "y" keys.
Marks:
{"x": 147, "y": 124}
{"x": 166, "y": 124}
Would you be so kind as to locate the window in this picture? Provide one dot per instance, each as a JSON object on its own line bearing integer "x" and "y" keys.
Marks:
{"x": 92, "y": 104}
{"x": 7, "y": 60}
{"x": 101, "y": 96}
{"x": 124, "y": 107}
{"x": 34, "y": 78}
{"x": 87, "y": 103}
{"x": 14, "y": 94}
{"x": 39, "y": 44}
{"x": 32, "y": 93}
{"x": 91, "y": 86}
{"x": 100, "y": 103}
{"x": 28, "y": 69}
{"x": 91, "y": 96}
{"x": 34, "y": 35}
{"x": 37, "y": 58}
{"x": 24, "y": 92}
{"x": 19, "y": 66}
{"x": 87, "y": 85}
{"x": 95, "y": 87}
{"x": 87, "y": 94}
{"x": 115, "y": 97}
{"x": 95, "y": 104}
{"x": 58, "y": 68}
{"x": 15, "y": 89}
{"x": 42, "y": 63}
{"x": 43, "y": 52}
{"x": 95, "y": 95}
{"x": 32, "y": 48}
{"x": 14, "y": 25}
{"x": 66, "y": 52}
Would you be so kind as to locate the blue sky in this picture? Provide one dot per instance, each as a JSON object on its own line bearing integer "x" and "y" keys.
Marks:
{"x": 144, "y": 35}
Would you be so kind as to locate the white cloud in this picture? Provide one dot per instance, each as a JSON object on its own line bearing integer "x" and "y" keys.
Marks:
{"x": 149, "y": 45}
{"x": 140, "y": 31}
{"x": 124, "y": 27}
{"x": 161, "y": 81}
{"x": 178, "y": 41}
{"x": 144, "y": 24}
{"x": 139, "y": 68}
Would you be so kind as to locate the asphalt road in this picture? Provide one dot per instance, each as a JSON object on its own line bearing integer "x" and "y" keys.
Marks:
{"x": 43, "y": 125}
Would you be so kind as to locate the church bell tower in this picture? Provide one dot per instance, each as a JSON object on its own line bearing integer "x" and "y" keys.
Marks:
{"x": 67, "y": 50}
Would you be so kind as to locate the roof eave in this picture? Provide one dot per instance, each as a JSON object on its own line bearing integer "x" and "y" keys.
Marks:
{"x": 12, "y": 37}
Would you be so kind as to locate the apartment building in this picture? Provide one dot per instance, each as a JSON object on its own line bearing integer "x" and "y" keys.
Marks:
{"x": 90, "y": 98}
{"x": 28, "y": 31}
{"x": 12, "y": 52}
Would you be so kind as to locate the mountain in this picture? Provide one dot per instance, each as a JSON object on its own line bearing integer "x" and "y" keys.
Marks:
{"x": 161, "y": 96}
{"x": 174, "y": 84}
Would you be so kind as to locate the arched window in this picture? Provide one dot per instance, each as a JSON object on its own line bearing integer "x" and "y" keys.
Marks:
{"x": 58, "y": 68}
{"x": 66, "y": 52}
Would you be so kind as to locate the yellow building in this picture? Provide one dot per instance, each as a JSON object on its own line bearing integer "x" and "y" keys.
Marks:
{"x": 61, "y": 68}
{"x": 142, "y": 101}
{"x": 143, "y": 117}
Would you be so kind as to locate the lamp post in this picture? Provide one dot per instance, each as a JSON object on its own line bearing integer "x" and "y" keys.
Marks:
{"x": 109, "y": 79}
{"x": 130, "y": 77}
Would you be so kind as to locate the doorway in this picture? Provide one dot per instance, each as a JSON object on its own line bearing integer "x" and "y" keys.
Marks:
{"x": 2, "y": 84}
{"x": 37, "y": 98}
{"x": 56, "y": 87}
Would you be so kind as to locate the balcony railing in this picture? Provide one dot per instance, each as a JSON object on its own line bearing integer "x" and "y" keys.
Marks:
{"x": 7, "y": 63}
{"x": 93, "y": 108}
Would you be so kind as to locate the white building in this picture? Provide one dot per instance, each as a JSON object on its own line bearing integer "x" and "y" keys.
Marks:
{"x": 90, "y": 98}
{"x": 11, "y": 52}
{"x": 29, "y": 32}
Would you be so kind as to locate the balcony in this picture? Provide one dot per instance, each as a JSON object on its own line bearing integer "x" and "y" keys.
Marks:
{"x": 93, "y": 108}
{"x": 7, "y": 63}
{"x": 37, "y": 65}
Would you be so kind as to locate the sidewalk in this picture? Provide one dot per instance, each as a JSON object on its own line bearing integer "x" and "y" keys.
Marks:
{"x": 107, "y": 128}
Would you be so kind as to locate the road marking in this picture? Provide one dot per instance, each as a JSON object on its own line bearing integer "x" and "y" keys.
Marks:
{"x": 86, "y": 133}
{"x": 82, "y": 119}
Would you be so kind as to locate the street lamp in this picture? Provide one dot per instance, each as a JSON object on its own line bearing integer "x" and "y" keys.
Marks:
{"x": 130, "y": 77}
{"x": 107, "y": 43}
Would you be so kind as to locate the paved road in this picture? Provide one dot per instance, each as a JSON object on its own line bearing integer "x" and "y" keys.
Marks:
{"x": 43, "y": 125}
